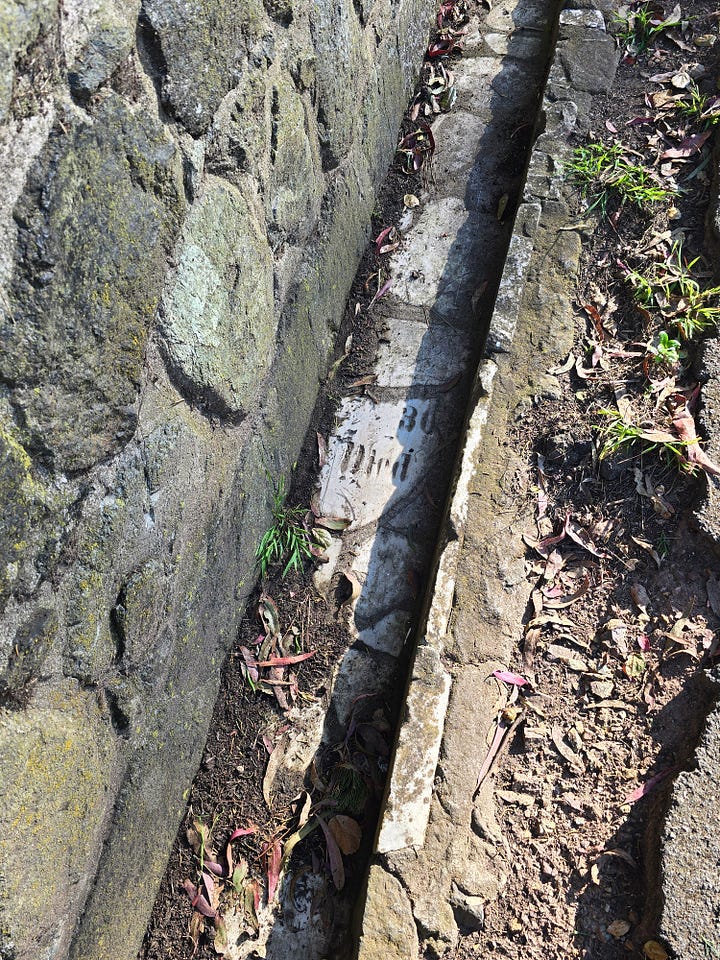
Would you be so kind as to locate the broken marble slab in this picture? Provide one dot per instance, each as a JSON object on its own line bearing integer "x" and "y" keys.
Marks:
{"x": 413, "y": 353}
{"x": 378, "y": 454}
{"x": 439, "y": 263}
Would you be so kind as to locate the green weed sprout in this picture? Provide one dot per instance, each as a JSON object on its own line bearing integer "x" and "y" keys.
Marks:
{"x": 638, "y": 28}
{"x": 286, "y": 538}
{"x": 664, "y": 349}
{"x": 616, "y": 433}
{"x": 700, "y": 107}
{"x": 601, "y": 171}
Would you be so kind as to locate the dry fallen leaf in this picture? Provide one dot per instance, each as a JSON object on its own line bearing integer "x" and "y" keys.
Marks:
{"x": 635, "y": 666}
{"x": 649, "y": 548}
{"x": 271, "y": 770}
{"x": 557, "y": 652}
{"x": 564, "y": 367}
{"x": 640, "y": 597}
{"x": 565, "y": 751}
{"x": 623, "y": 855}
{"x": 346, "y": 832}
{"x": 684, "y": 425}
{"x": 322, "y": 450}
{"x": 655, "y": 951}
{"x": 351, "y": 579}
{"x": 618, "y": 928}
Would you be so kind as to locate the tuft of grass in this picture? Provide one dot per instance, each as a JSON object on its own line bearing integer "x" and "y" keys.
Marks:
{"x": 700, "y": 107}
{"x": 618, "y": 434}
{"x": 615, "y": 433}
{"x": 670, "y": 288}
{"x": 637, "y": 28}
{"x": 287, "y": 539}
{"x": 602, "y": 171}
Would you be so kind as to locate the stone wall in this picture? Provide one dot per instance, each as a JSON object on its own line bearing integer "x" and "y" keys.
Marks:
{"x": 185, "y": 193}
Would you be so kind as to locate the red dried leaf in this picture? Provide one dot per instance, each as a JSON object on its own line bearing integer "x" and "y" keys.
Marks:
{"x": 198, "y": 901}
{"x": 337, "y": 870}
{"x": 687, "y": 148}
{"x": 512, "y": 678}
{"x": 211, "y": 890}
{"x": 543, "y": 546}
{"x": 684, "y": 426}
{"x": 596, "y": 318}
{"x": 581, "y": 537}
{"x": 277, "y": 683}
{"x": 441, "y": 48}
{"x": 381, "y": 237}
{"x": 285, "y": 661}
{"x": 242, "y": 832}
{"x": 250, "y": 663}
{"x": 649, "y": 785}
{"x": 382, "y": 291}
{"x": 274, "y": 860}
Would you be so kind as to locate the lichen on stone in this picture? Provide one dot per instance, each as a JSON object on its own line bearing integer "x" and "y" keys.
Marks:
{"x": 100, "y": 210}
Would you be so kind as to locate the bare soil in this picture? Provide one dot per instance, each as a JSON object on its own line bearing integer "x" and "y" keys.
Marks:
{"x": 619, "y": 635}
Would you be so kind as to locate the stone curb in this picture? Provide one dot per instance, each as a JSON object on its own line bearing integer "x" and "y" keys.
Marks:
{"x": 573, "y": 78}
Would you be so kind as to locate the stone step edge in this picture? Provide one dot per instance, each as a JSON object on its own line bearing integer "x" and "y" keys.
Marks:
{"x": 406, "y": 806}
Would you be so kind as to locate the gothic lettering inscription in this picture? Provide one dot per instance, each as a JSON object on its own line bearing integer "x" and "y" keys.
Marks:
{"x": 374, "y": 456}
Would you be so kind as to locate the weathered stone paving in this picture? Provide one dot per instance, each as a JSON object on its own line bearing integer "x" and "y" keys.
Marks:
{"x": 393, "y": 448}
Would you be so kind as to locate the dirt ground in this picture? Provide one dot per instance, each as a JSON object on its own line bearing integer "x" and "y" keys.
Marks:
{"x": 621, "y": 626}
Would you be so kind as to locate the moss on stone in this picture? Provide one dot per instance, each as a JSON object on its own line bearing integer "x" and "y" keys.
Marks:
{"x": 204, "y": 46}
{"x": 21, "y": 25}
{"x": 217, "y": 319}
{"x": 97, "y": 219}
{"x": 296, "y": 184}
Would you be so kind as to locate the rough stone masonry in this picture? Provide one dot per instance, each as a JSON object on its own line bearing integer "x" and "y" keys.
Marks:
{"x": 185, "y": 191}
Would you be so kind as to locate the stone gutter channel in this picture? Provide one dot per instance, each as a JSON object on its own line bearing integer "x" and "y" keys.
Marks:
{"x": 433, "y": 868}
{"x": 432, "y": 871}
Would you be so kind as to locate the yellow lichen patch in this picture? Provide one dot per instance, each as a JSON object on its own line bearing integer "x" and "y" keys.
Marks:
{"x": 57, "y": 760}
